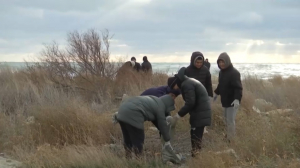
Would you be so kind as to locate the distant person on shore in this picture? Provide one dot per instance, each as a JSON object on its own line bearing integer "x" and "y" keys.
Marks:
{"x": 146, "y": 65}
{"x": 198, "y": 71}
{"x": 132, "y": 114}
{"x": 207, "y": 64}
{"x": 197, "y": 104}
{"x": 230, "y": 89}
{"x": 125, "y": 70}
{"x": 137, "y": 66}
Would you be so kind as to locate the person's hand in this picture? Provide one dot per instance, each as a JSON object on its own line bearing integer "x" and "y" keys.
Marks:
{"x": 114, "y": 118}
{"x": 177, "y": 117}
{"x": 215, "y": 97}
{"x": 236, "y": 104}
{"x": 168, "y": 145}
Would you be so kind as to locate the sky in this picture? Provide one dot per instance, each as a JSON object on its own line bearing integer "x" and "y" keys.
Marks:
{"x": 256, "y": 31}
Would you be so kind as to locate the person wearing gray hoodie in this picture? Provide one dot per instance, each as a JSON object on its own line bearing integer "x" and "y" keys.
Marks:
{"x": 231, "y": 90}
{"x": 132, "y": 114}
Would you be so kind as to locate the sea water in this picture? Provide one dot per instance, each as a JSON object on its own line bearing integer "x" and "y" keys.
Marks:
{"x": 263, "y": 71}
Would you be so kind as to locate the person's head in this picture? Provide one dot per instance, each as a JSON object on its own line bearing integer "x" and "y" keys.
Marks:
{"x": 197, "y": 59}
{"x": 198, "y": 62}
{"x": 173, "y": 83}
{"x": 206, "y": 60}
{"x": 133, "y": 59}
{"x": 145, "y": 58}
{"x": 221, "y": 64}
{"x": 224, "y": 61}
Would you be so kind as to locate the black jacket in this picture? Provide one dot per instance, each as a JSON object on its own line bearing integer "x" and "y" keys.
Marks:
{"x": 207, "y": 64}
{"x": 137, "y": 66}
{"x": 230, "y": 85}
{"x": 146, "y": 66}
{"x": 201, "y": 74}
{"x": 197, "y": 102}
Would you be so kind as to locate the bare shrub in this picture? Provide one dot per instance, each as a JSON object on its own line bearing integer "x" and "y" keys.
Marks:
{"x": 83, "y": 65}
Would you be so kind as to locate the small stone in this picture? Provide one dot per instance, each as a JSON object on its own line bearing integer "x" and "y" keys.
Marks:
{"x": 228, "y": 151}
{"x": 153, "y": 128}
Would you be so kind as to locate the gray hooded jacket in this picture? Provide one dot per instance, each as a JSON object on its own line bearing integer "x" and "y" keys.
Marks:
{"x": 135, "y": 111}
{"x": 230, "y": 85}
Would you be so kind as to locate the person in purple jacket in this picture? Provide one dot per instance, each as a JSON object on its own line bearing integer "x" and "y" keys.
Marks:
{"x": 158, "y": 92}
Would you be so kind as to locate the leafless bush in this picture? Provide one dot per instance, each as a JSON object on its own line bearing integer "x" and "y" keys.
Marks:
{"x": 83, "y": 64}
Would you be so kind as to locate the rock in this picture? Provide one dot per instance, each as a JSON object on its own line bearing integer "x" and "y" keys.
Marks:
{"x": 279, "y": 111}
{"x": 30, "y": 120}
{"x": 205, "y": 131}
{"x": 228, "y": 151}
{"x": 112, "y": 147}
{"x": 125, "y": 97}
{"x": 260, "y": 105}
{"x": 153, "y": 128}
{"x": 9, "y": 163}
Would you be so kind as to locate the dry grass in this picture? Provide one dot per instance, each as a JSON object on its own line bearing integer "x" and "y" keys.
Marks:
{"x": 71, "y": 126}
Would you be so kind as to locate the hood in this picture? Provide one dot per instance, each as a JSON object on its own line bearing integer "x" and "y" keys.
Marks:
{"x": 195, "y": 56}
{"x": 180, "y": 75}
{"x": 225, "y": 57}
{"x": 168, "y": 102}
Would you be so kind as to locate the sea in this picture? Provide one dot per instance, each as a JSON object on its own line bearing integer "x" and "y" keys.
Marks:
{"x": 262, "y": 70}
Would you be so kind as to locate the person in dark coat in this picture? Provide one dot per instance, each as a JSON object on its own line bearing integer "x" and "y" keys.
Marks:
{"x": 207, "y": 64}
{"x": 137, "y": 65}
{"x": 230, "y": 88}
{"x": 146, "y": 65}
{"x": 197, "y": 104}
{"x": 198, "y": 71}
{"x": 132, "y": 114}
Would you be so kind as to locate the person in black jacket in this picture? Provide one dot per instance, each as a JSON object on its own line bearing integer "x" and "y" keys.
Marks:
{"x": 137, "y": 66}
{"x": 197, "y": 104}
{"x": 146, "y": 65}
{"x": 230, "y": 88}
{"x": 207, "y": 64}
{"x": 198, "y": 71}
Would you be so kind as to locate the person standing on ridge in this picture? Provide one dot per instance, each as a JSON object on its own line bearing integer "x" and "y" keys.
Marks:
{"x": 137, "y": 65}
{"x": 198, "y": 71}
{"x": 197, "y": 104}
{"x": 146, "y": 65}
{"x": 207, "y": 64}
{"x": 231, "y": 90}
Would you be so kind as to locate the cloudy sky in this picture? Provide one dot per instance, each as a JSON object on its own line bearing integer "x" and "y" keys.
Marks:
{"x": 250, "y": 31}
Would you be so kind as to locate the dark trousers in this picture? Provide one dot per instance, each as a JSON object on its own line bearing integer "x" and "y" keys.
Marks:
{"x": 196, "y": 139}
{"x": 133, "y": 139}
